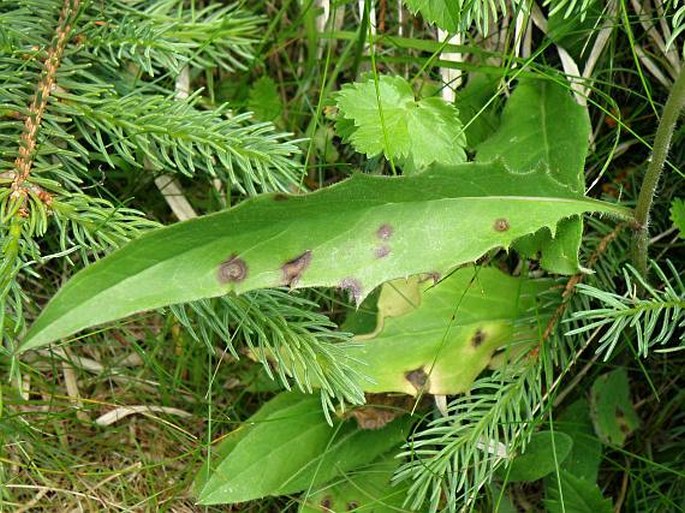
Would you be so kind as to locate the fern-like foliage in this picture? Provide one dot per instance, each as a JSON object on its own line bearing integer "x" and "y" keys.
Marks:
{"x": 653, "y": 318}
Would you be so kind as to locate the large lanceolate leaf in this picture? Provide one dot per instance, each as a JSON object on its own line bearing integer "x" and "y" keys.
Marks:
{"x": 543, "y": 126}
{"x": 446, "y": 337}
{"x": 355, "y": 235}
{"x": 288, "y": 447}
{"x": 384, "y": 117}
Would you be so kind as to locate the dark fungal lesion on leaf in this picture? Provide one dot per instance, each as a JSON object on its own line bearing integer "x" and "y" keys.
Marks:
{"x": 384, "y": 231}
{"x": 353, "y": 287}
{"x": 382, "y": 251}
{"x": 279, "y": 196}
{"x": 352, "y": 506}
{"x": 501, "y": 224}
{"x": 326, "y": 504}
{"x": 293, "y": 269}
{"x": 478, "y": 338}
{"x": 417, "y": 377}
{"x": 232, "y": 270}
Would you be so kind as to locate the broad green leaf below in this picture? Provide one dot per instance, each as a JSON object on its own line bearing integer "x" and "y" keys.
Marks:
{"x": 288, "y": 448}
{"x": 576, "y": 496}
{"x": 543, "y": 455}
{"x": 354, "y": 235}
{"x": 364, "y": 490}
{"x": 611, "y": 408}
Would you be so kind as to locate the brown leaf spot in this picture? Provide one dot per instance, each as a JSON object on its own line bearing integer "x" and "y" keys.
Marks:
{"x": 478, "y": 338}
{"x": 434, "y": 275}
{"x": 293, "y": 269}
{"x": 281, "y": 197}
{"x": 352, "y": 506}
{"x": 353, "y": 288}
{"x": 384, "y": 232}
{"x": 382, "y": 251}
{"x": 232, "y": 270}
{"x": 326, "y": 503}
{"x": 501, "y": 225}
{"x": 620, "y": 413}
{"x": 417, "y": 377}
{"x": 372, "y": 417}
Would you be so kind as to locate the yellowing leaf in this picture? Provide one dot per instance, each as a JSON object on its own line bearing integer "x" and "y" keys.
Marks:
{"x": 443, "y": 343}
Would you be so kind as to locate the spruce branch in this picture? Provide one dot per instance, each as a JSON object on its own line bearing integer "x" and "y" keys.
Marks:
{"x": 34, "y": 118}
{"x": 282, "y": 331}
{"x": 160, "y": 39}
{"x": 653, "y": 319}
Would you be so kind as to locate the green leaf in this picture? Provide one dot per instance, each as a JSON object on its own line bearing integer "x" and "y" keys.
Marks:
{"x": 354, "y": 235}
{"x": 578, "y": 496}
{"x": 289, "y": 448}
{"x": 574, "y": 32}
{"x": 586, "y": 453}
{"x": 264, "y": 100}
{"x": 390, "y": 121}
{"x": 678, "y": 215}
{"x": 367, "y": 489}
{"x": 477, "y": 109}
{"x": 543, "y": 126}
{"x": 465, "y": 318}
{"x": 544, "y": 453}
{"x": 443, "y": 13}
{"x": 612, "y": 410}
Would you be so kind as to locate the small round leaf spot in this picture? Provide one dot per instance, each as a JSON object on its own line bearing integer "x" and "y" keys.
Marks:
{"x": 232, "y": 270}
{"x": 382, "y": 251}
{"x": 352, "y": 506}
{"x": 478, "y": 338}
{"x": 326, "y": 504}
{"x": 384, "y": 232}
{"x": 501, "y": 225}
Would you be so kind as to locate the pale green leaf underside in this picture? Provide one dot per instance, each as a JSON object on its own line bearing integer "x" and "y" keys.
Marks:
{"x": 449, "y": 338}
{"x": 355, "y": 235}
{"x": 390, "y": 121}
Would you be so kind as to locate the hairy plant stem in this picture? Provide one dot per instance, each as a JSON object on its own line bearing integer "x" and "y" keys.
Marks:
{"x": 662, "y": 141}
